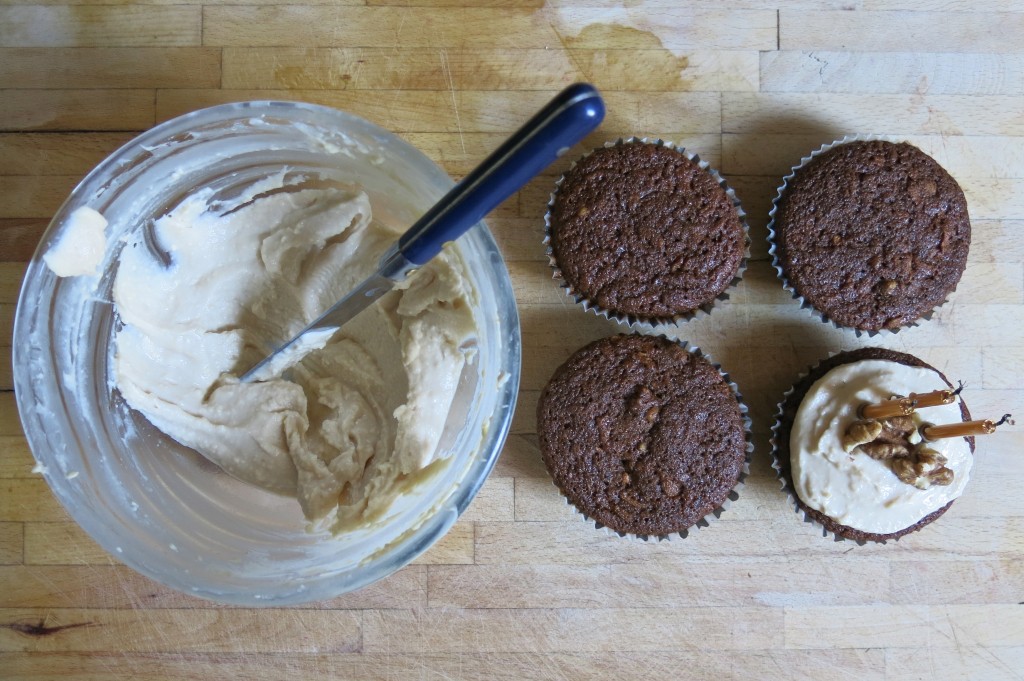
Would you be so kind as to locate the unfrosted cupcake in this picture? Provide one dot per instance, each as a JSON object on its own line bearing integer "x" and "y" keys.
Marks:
{"x": 872, "y": 234}
{"x": 868, "y": 479}
{"x": 643, "y": 436}
{"x": 643, "y": 231}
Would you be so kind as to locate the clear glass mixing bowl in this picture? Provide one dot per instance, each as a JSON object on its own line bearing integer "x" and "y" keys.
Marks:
{"x": 160, "y": 507}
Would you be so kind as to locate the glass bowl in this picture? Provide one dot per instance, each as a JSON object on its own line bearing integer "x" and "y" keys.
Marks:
{"x": 158, "y": 506}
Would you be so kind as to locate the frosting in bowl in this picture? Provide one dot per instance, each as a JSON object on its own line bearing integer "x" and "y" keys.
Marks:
{"x": 79, "y": 250}
{"x": 355, "y": 422}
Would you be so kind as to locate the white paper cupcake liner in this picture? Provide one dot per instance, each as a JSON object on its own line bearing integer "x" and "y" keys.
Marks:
{"x": 629, "y": 320}
{"x": 772, "y": 245}
{"x": 733, "y": 495}
{"x": 785, "y": 481}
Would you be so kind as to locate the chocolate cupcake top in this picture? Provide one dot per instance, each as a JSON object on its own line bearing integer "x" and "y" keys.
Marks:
{"x": 871, "y": 483}
{"x": 872, "y": 234}
{"x": 641, "y": 230}
{"x": 641, "y": 435}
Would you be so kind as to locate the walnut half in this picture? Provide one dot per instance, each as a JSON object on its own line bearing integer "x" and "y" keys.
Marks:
{"x": 859, "y": 433}
{"x": 900, "y": 425}
{"x": 884, "y": 451}
{"x": 926, "y": 468}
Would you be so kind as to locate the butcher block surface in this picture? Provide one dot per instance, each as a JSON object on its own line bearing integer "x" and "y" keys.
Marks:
{"x": 522, "y": 587}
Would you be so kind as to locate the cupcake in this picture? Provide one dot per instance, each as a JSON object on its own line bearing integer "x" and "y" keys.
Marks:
{"x": 872, "y": 234}
{"x": 644, "y": 232}
{"x": 643, "y": 436}
{"x": 864, "y": 478}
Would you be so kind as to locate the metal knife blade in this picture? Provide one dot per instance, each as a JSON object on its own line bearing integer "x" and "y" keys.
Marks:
{"x": 393, "y": 268}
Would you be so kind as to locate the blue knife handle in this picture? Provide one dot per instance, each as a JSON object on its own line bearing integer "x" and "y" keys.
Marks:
{"x": 567, "y": 119}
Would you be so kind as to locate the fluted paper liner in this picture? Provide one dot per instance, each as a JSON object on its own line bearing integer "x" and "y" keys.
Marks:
{"x": 629, "y": 320}
{"x": 730, "y": 498}
{"x": 772, "y": 245}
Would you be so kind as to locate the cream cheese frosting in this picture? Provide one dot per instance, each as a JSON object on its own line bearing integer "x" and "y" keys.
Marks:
{"x": 79, "y": 249}
{"x": 355, "y": 422}
{"x": 853, "y": 488}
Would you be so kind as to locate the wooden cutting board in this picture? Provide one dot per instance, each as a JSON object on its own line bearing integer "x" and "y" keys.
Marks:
{"x": 521, "y": 587}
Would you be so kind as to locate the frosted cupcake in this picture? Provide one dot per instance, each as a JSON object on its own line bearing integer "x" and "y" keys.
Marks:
{"x": 643, "y": 436}
{"x": 644, "y": 232}
{"x": 853, "y": 459}
{"x": 873, "y": 235}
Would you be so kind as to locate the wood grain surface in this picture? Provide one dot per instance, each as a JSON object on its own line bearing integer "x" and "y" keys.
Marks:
{"x": 522, "y": 588}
